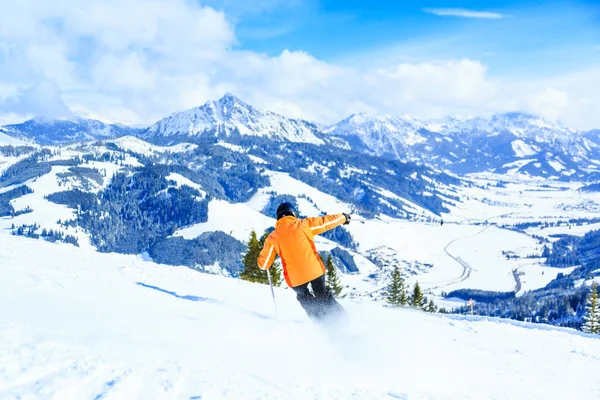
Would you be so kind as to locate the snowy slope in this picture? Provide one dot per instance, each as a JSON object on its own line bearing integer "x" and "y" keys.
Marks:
{"x": 312, "y": 201}
{"x": 9, "y": 140}
{"x": 236, "y": 220}
{"x": 45, "y": 213}
{"x": 231, "y": 116}
{"x": 83, "y": 325}
{"x": 522, "y": 149}
{"x": 136, "y": 145}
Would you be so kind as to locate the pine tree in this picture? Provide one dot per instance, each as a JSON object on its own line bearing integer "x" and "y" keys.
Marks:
{"x": 404, "y": 299}
{"x": 431, "y": 307}
{"x": 276, "y": 276}
{"x": 417, "y": 300}
{"x": 275, "y": 269}
{"x": 592, "y": 316}
{"x": 396, "y": 293}
{"x": 251, "y": 270}
{"x": 332, "y": 279}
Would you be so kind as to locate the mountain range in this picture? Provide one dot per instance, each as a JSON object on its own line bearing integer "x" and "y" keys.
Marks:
{"x": 46, "y": 131}
{"x": 508, "y": 142}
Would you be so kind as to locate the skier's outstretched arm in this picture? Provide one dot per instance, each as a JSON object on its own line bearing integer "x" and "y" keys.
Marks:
{"x": 267, "y": 255}
{"x": 319, "y": 225}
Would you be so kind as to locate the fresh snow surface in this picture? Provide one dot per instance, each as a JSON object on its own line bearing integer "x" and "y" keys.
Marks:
{"x": 256, "y": 159}
{"x": 282, "y": 183}
{"x": 565, "y": 229}
{"x": 44, "y": 212}
{"x": 534, "y": 276}
{"x": 522, "y": 149}
{"x": 232, "y": 147}
{"x": 518, "y": 164}
{"x": 556, "y": 165}
{"x": 183, "y": 181}
{"x": 409, "y": 205}
{"x": 136, "y": 145}
{"x": 524, "y": 199}
{"x": 226, "y": 217}
{"x": 84, "y": 325}
{"x": 482, "y": 252}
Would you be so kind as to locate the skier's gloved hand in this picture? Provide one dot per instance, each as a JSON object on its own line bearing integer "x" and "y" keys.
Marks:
{"x": 347, "y": 218}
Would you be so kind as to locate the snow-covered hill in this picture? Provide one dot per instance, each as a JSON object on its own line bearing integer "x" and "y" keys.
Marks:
{"x": 63, "y": 131}
{"x": 230, "y": 116}
{"x": 83, "y": 325}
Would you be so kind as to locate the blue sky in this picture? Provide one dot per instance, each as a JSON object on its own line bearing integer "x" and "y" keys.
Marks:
{"x": 136, "y": 61}
{"x": 527, "y": 36}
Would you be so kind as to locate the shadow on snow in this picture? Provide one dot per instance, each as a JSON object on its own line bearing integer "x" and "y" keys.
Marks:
{"x": 202, "y": 300}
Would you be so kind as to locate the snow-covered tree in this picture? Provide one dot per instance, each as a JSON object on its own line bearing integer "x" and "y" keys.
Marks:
{"x": 592, "y": 315}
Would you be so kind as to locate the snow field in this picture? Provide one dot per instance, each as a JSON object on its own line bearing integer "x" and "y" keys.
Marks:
{"x": 84, "y": 325}
{"x": 140, "y": 146}
{"x": 237, "y": 220}
{"x": 282, "y": 183}
{"x": 6, "y": 140}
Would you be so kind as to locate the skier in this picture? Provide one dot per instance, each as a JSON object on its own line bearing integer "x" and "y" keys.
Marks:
{"x": 292, "y": 240}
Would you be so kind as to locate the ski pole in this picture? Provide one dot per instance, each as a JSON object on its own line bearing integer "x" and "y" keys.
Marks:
{"x": 273, "y": 294}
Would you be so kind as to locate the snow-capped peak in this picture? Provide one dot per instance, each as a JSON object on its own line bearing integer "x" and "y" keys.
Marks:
{"x": 521, "y": 125}
{"x": 383, "y": 133}
{"x": 231, "y": 116}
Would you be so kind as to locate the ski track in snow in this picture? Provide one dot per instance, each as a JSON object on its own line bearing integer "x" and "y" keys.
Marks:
{"x": 108, "y": 326}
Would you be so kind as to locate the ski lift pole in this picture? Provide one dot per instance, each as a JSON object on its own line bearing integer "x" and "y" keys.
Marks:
{"x": 273, "y": 294}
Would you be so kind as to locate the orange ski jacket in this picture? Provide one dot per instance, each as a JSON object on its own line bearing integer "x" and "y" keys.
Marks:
{"x": 292, "y": 240}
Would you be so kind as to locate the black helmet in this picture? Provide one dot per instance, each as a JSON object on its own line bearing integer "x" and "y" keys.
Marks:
{"x": 285, "y": 209}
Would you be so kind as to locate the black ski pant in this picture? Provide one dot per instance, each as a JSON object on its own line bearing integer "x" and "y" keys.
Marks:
{"x": 318, "y": 303}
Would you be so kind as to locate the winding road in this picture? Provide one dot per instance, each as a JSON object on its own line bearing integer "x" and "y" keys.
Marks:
{"x": 467, "y": 269}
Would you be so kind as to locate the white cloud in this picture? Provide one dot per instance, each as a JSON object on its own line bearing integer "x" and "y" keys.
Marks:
{"x": 550, "y": 103}
{"x": 460, "y": 12}
{"x": 43, "y": 100}
{"x": 97, "y": 59}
